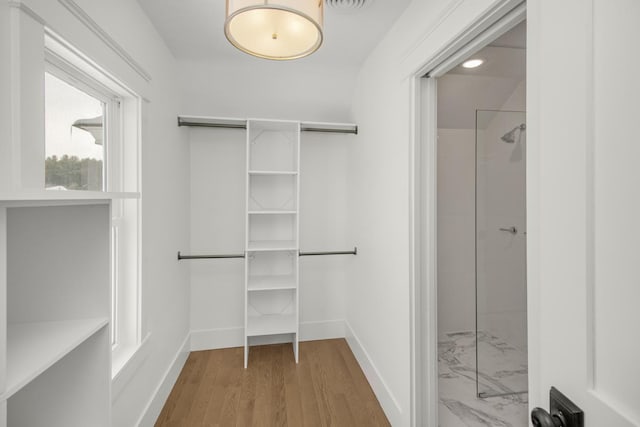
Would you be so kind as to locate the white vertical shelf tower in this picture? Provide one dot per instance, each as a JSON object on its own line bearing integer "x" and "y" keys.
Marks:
{"x": 272, "y": 223}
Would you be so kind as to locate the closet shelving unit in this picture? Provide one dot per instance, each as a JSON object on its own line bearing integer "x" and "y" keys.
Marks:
{"x": 55, "y": 279}
{"x": 272, "y": 224}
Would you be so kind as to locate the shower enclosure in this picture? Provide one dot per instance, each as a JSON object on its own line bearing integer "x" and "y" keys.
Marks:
{"x": 501, "y": 288}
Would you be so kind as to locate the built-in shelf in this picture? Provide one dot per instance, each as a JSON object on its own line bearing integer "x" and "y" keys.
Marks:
{"x": 252, "y": 172}
{"x": 267, "y": 283}
{"x": 272, "y": 225}
{"x": 271, "y": 324}
{"x": 272, "y": 212}
{"x": 272, "y": 245}
{"x": 33, "y": 347}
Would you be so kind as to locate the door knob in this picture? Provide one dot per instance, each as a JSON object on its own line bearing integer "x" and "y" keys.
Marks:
{"x": 541, "y": 418}
{"x": 564, "y": 413}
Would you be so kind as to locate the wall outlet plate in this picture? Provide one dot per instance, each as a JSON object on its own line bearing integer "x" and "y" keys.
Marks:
{"x": 559, "y": 403}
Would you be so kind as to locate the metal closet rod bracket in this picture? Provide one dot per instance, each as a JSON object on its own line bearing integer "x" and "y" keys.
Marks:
{"x": 300, "y": 253}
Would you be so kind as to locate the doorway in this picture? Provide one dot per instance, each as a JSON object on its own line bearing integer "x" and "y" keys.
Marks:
{"x": 481, "y": 244}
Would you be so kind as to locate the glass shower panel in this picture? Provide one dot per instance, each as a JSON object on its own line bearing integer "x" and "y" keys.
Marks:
{"x": 501, "y": 289}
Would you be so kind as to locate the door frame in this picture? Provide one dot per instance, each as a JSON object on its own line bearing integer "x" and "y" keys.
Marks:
{"x": 499, "y": 19}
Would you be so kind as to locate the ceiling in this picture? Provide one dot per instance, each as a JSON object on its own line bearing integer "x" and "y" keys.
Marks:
{"x": 461, "y": 91}
{"x": 194, "y": 29}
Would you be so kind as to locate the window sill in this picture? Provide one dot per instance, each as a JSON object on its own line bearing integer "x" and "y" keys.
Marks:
{"x": 61, "y": 197}
{"x": 125, "y": 366}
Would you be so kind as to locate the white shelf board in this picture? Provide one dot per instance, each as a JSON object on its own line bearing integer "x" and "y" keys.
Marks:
{"x": 267, "y": 283}
{"x": 55, "y": 197}
{"x": 255, "y": 172}
{"x": 34, "y": 347}
{"x": 272, "y": 245}
{"x": 271, "y": 324}
{"x": 272, "y": 212}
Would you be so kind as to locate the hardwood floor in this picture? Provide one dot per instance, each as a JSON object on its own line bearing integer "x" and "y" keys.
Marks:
{"x": 327, "y": 388}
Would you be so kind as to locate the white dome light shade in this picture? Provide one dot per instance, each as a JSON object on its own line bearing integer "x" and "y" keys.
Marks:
{"x": 278, "y": 29}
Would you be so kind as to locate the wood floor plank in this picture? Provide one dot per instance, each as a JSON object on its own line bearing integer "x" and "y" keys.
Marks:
{"x": 205, "y": 391}
{"x": 232, "y": 383}
{"x": 246, "y": 407}
{"x": 310, "y": 407}
{"x": 292, "y": 391}
{"x": 327, "y": 388}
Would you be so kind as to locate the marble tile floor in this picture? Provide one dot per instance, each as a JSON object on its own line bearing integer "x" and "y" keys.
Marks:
{"x": 503, "y": 369}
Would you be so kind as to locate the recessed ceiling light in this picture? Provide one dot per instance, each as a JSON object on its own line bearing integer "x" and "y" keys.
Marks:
{"x": 472, "y": 63}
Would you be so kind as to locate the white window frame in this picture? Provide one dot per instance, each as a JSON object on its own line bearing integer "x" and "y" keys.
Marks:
{"x": 121, "y": 173}
{"x": 77, "y": 79}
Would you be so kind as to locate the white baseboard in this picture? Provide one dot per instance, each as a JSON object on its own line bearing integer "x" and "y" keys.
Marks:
{"x": 322, "y": 330}
{"x": 210, "y": 339}
{"x": 386, "y": 398}
{"x": 161, "y": 393}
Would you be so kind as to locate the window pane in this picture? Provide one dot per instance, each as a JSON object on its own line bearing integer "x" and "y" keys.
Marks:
{"x": 74, "y": 138}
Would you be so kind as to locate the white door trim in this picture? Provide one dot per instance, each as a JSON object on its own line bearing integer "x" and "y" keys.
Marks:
{"x": 503, "y": 16}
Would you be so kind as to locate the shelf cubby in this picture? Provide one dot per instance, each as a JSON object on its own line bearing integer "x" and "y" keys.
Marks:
{"x": 273, "y": 145}
{"x": 274, "y": 192}
{"x": 73, "y": 392}
{"x": 272, "y": 324}
{"x": 55, "y": 276}
{"x": 33, "y": 347}
{"x": 270, "y": 228}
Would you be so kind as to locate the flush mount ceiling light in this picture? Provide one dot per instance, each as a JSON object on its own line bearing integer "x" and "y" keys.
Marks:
{"x": 275, "y": 29}
{"x": 472, "y": 63}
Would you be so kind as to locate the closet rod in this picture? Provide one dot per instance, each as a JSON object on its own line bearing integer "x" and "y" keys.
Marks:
{"x": 216, "y": 122}
{"x": 181, "y": 257}
{"x": 353, "y": 252}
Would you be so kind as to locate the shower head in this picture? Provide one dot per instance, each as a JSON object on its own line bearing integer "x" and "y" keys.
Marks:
{"x": 510, "y": 137}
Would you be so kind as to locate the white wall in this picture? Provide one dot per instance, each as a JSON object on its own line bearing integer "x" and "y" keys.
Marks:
{"x": 378, "y": 298}
{"x": 90, "y": 26}
{"x": 255, "y": 88}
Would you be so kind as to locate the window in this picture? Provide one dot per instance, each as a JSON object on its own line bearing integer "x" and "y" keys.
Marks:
{"x": 92, "y": 143}
{"x": 74, "y": 137}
